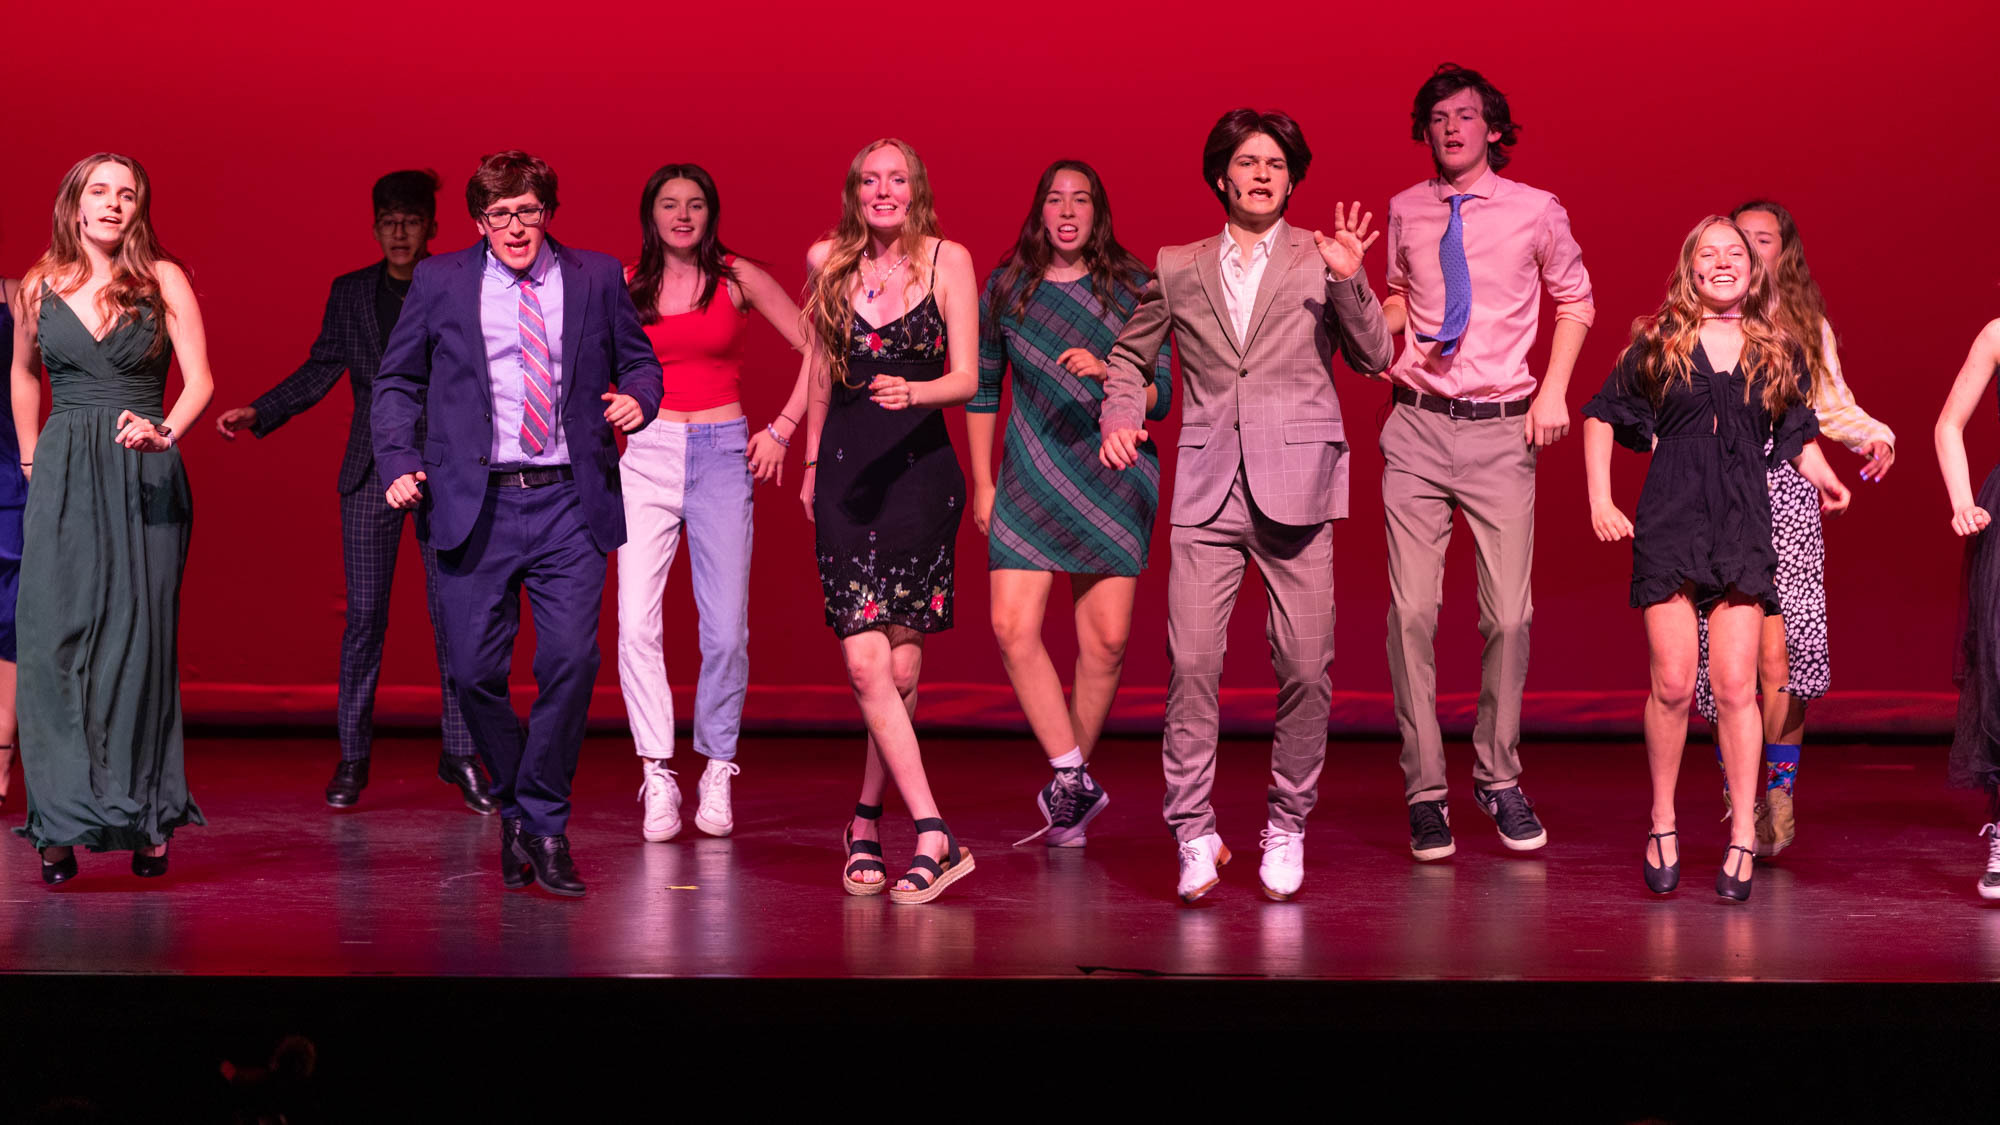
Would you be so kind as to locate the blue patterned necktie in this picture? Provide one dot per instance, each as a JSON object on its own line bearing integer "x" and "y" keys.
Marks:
{"x": 538, "y": 384}
{"x": 1457, "y": 282}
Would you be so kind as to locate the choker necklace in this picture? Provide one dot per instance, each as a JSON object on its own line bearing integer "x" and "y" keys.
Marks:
{"x": 1722, "y": 316}
{"x": 881, "y": 277}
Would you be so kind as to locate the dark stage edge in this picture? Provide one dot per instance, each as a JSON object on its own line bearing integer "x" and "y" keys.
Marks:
{"x": 1864, "y": 958}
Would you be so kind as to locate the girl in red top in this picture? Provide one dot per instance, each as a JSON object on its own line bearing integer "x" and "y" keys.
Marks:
{"x": 693, "y": 468}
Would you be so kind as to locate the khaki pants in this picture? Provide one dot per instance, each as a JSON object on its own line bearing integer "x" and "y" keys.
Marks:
{"x": 1434, "y": 466}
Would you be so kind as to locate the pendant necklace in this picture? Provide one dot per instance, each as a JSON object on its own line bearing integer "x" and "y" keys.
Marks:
{"x": 881, "y": 276}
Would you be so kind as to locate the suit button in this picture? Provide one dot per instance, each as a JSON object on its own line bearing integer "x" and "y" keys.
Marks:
{"x": 1243, "y": 374}
{"x": 489, "y": 416}
{"x": 482, "y": 460}
{"x": 1236, "y": 425}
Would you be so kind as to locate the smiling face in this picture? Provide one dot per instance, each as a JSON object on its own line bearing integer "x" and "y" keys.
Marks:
{"x": 884, "y": 191}
{"x": 107, "y": 206}
{"x": 516, "y": 243}
{"x": 1257, "y": 181}
{"x": 1765, "y": 237}
{"x": 1068, "y": 212}
{"x": 1459, "y": 134}
{"x": 1721, "y": 266}
{"x": 680, "y": 214}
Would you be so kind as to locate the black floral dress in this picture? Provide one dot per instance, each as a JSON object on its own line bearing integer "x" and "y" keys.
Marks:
{"x": 1704, "y": 515}
{"x": 889, "y": 494}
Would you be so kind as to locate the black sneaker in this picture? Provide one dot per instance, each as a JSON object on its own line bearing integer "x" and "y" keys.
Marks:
{"x": 1070, "y": 800}
{"x": 1514, "y": 813}
{"x": 1430, "y": 830}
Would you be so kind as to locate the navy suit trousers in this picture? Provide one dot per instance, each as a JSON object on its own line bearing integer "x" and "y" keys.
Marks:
{"x": 533, "y": 540}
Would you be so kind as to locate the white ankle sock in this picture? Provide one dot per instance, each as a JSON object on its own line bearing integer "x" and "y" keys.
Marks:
{"x": 1069, "y": 761}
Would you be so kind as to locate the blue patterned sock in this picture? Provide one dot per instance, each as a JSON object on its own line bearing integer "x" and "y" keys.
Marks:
{"x": 1782, "y": 768}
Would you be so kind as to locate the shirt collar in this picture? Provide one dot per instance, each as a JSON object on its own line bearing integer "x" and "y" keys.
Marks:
{"x": 1259, "y": 249}
{"x": 538, "y": 270}
{"x": 1483, "y": 187}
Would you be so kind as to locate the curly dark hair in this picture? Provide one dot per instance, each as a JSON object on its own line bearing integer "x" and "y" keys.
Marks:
{"x": 1449, "y": 79}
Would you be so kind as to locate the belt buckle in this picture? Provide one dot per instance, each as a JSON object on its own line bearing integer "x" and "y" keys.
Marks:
{"x": 517, "y": 478}
{"x": 1451, "y": 409}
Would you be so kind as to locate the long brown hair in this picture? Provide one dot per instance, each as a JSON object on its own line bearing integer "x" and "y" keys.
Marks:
{"x": 1800, "y": 307}
{"x": 1665, "y": 341}
{"x": 709, "y": 252}
{"x": 828, "y": 311}
{"x": 134, "y": 288}
{"x": 1111, "y": 266}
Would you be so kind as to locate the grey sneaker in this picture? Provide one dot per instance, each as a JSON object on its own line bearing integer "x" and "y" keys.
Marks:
{"x": 1514, "y": 813}
{"x": 1430, "y": 830}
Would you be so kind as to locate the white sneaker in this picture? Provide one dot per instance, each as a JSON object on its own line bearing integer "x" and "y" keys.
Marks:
{"x": 1200, "y": 857}
{"x": 661, "y": 794}
{"x": 712, "y": 794}
{"x": 1284, "y": 866}
{"x": 1989, "y": 883}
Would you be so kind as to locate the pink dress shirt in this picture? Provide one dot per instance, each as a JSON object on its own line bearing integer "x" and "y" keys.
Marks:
{"x": 1517, "y": 243}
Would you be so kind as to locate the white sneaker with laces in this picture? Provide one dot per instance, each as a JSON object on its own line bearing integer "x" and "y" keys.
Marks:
{"x": 1989, "y": 883}
{"x": 661, "y": 794}
{"x": 712, "y": 795}
{"x": 1200, "y": 857}
{"x": 1284, "y": 866}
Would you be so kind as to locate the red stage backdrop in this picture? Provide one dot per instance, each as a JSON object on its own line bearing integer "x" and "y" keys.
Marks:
{"x": 263, "y": 127}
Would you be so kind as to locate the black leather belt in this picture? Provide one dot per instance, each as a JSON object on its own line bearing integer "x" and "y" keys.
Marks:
{"x": 531, "y": 478}
{"x": 1460, "y": 409}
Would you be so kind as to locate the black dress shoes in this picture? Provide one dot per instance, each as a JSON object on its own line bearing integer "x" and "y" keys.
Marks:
{"x": 465, "y": 775}
{"x": 62, "y": 871}
{"x": 349, "y": 779}
{"x": 147, "y": 866}
{"x": 549, "y": 857}
{"x": 515, "y": 871}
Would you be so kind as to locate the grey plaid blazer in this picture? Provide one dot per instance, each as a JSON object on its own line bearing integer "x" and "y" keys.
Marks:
{"x": 1268, "y": 405}
{"x": 349, "y": 342}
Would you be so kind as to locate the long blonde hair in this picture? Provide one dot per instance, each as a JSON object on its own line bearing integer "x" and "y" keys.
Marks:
{"x": 829, "y": 312}
{"x": 134, "y": 287}
{"x": 1665, "y": 341}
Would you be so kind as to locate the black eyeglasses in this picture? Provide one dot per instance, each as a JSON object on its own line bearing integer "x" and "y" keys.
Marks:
{"x": 501, "y": 220}
{"x": 401, "y": 222}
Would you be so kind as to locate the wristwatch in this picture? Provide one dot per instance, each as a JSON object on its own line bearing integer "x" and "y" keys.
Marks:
{"x": 165, "y": 431}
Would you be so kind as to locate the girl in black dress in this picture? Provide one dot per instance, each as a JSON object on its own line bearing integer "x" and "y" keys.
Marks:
{"x": 893, "y": 310}
{"x": 1704, "y": 383}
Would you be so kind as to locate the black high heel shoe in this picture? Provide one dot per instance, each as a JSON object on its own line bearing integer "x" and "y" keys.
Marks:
{"x": 1736, "y": 890}
{"x": 1663, "y": 879}
{"x": 146, "y": 866}
{"x": 61, "y": 871}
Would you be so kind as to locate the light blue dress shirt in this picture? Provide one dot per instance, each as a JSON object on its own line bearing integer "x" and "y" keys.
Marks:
{"x": 500, "y": 322}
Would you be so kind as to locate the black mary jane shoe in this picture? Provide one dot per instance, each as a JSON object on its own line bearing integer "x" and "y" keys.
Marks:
{"x": 147, "y": 866}
{"x": 61, "y": 871}
{"x": 554, "y": 870}
{"x": 515, "y": 871}
{"x": 1729, "y": 887}
{"x": 464, "y": 775}
{"x": 1663, "y": 879}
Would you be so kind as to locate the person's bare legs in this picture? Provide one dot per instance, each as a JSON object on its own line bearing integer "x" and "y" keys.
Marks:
{"x": 1735, "y": 626}
{"x": 1103, "y": 627}
{"x": 1784, "y": 713}
{"x": 1020, "y": 602}
{"x": 9, "y": 728}
{"x": 884, "y": 666}
{"x": 905, "y": 648}
{"x": 1673, "y": 649}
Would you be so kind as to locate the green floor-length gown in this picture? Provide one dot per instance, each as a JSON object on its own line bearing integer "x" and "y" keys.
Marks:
{"x": 105, "y": 539}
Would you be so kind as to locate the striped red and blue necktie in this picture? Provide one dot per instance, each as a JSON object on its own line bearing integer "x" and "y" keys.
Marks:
{"x": 538, "y": 388}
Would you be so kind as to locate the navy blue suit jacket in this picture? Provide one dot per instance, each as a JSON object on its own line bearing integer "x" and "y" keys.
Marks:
{"x": 435, "y": 367}
{"x": 349, "y": 341}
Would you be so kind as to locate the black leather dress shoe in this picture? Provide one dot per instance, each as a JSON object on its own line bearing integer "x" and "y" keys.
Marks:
{"x": 514, "y": 867}
{"x": 549, "y": 856}
{"x": 465, "y": 775}
{"x": 148, "y": 866}
{"x": 349, "y": 779}
{"x": 62, "y": 871}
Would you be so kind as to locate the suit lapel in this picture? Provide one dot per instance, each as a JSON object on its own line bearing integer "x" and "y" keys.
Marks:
{"x": 471, "y": 280}
{"x": 371, "y": 328}
{"x": 576, "y": 299}
{"x": 1282, "y": 253}
{"x": 1210, "y": 271}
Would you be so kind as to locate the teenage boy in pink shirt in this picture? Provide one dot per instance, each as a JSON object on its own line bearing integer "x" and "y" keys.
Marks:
{"x": 1470, "y": 253}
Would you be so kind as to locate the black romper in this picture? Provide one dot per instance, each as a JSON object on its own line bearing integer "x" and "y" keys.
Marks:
{"x": 1704, "y": 515}
{"x": 889, "y": 494}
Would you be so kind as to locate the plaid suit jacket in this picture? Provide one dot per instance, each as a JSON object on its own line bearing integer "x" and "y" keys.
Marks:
{"x": 348, "y": 342}
{"x": 1267, "y": 404}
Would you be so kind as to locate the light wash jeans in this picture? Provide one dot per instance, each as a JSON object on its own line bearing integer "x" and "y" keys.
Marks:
{"x": 679, "y": 475}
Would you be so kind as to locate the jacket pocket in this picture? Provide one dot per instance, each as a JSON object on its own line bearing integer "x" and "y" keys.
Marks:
{"x": 1300, "y": 431}
{"x": 433, "y": 453}
{"x": 1194, "y": 437}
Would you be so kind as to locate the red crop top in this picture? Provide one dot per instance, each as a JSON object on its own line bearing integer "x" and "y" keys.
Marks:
{"x": 701, "y": 353}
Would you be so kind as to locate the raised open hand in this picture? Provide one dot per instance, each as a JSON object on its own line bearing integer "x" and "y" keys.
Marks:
{"x": 1343, "y": 252}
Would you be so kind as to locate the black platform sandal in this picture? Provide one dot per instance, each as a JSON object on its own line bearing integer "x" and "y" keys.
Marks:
{"x": 1736, "y": 890}
{"x": 1663, "y": 879}
{"x": 928, "y": 876}
{"x": 856, "y": 847}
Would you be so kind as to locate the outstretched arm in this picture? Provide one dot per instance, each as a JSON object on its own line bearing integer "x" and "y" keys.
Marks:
{"x": 1364, "y": 336}
{"x": 300, "y": 390}
{"x": 1967, "y": 517}
{"x": 769, "y": 444}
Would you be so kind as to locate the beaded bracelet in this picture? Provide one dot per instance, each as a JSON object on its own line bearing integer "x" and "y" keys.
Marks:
{"x": 771, "y": 428}
{"x": 811, "y": 462}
